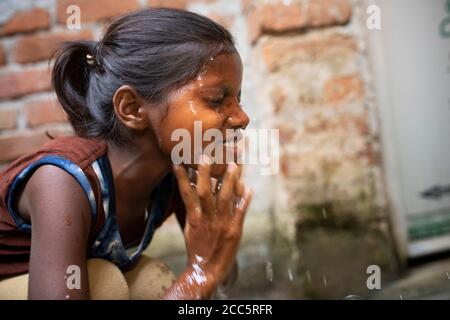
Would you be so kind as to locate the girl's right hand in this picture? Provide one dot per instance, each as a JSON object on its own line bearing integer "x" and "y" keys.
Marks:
{"x": 214, "y": 220}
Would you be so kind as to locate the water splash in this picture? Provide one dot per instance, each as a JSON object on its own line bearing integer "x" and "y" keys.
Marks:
{"x": 220, "y": 293}
{"x": 353, "y": 297}
{"x": 269, "y": 271}
{"x": 290, "y": 274}
{"x": 198, "y": 275}
{"x": 308, "y": 276}
{"x": 324, "y": 279}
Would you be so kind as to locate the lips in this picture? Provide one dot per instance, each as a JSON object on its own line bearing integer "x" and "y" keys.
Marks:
{"x": 234, "y": 145}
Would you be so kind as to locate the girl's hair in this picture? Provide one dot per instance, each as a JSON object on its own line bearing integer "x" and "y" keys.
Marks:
{"x": 152, "y": 50}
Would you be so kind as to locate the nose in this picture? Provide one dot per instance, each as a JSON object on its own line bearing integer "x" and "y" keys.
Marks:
{"x": 238, "y": 119}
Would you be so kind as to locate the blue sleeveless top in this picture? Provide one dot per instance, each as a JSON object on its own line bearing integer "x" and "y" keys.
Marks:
{"x": 108, "y": 243}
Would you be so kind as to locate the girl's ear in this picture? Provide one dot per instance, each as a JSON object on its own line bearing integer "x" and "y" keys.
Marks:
{"x": 128, "y": 106}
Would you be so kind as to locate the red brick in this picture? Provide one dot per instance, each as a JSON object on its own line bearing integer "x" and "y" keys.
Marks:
{"x": 17, "y": 145}
{"x": 176, "y": 4}
{"x": 342, "y": 89}
{"x": 18, "y": 83}
{"x": 279, "y": 51}
{"x": 322, "y": 13}
{"x": 279, "y": 17}
{"x": 287, "y": 134}
{"x": 44, "y": 111}
{"x": 345, "y": 122}
{"x": 95, "y": 10}
{"x": 34, "y": 48}
{"x": 27, "y": 21}
{"x": 2, "y": 55}
{"x": 8, "y": 119}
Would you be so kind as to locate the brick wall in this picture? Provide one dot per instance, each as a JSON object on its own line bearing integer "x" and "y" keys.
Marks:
{"x": 330, "y": 198}
{"x": 306, "y": 72}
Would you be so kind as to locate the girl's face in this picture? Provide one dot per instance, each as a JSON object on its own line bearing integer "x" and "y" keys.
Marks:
{"x": 210, "y": 101}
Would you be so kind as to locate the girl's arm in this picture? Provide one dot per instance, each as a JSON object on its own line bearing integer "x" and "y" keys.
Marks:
{"x": 61, "y": 220}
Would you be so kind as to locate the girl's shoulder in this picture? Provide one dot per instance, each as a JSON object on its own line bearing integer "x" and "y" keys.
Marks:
{"x": 79, "y": 150}
{"x": 73, "y": 154}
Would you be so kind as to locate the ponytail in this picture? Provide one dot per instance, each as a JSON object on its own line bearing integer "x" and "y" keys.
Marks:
{"x": 70, "y": 80}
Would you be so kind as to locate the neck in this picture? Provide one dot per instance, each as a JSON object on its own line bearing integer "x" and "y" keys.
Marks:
{"x": 137, "y": 171}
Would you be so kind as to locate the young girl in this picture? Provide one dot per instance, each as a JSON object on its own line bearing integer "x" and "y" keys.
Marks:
{"x": 76, "y": 215}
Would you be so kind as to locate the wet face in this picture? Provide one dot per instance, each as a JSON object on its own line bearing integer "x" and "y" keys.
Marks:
{"x": 210, "y": 101}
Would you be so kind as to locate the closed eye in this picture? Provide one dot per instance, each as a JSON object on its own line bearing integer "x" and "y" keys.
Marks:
{"x": 216, "y": 102}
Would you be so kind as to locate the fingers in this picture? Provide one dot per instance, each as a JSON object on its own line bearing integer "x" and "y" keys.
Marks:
{"x": 204, "y": 186}
{"x": 239, "y": 185}
{"x": 226, "y": 193}
{"x": 242, "y": 206}
{"x": 184, "y": 185}
{"x": 240, "y": 169}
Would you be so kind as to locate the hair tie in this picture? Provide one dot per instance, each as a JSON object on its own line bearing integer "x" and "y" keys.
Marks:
{"x": 90, "y": 59}
{"x": 94, "y": 59}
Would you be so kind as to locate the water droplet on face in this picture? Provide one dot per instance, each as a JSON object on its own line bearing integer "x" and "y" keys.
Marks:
{"x": 269, "y": 271}
{"x": 191, "y": 106}
{"x": 200, "y": 80}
